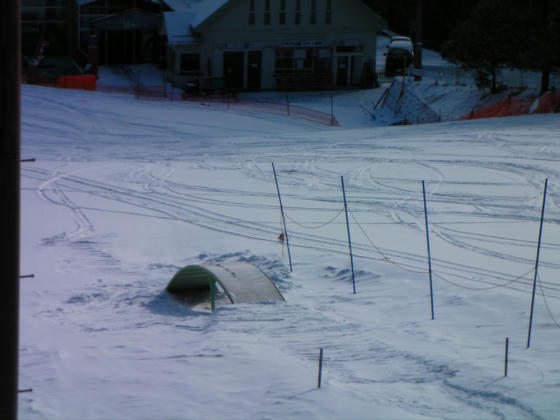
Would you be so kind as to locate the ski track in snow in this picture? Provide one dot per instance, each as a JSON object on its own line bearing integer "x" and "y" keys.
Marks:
{"x": 173, "y": 200}
{"x": 309, "y": 174}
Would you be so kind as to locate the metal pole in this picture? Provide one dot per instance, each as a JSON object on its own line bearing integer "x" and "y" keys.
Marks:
{"x": 429, "y": 251}
{"x": 133, "y": 45}
{"x": 332, "y": 110}
{"x": 10, "y": 185}
{"x": 287, "y": 105}
{"x": 506, "y": 357}
{"x": 536, "y": 266}
{"x": 138, "y": 85}
{"x": 418, "y": 57}
{"x": 283, "y": 217}
{"x": 106, "y": 46}
{"x": 212, "y": 295}
{"x": 320, "y": 367}
{"x": 349, "y": 239}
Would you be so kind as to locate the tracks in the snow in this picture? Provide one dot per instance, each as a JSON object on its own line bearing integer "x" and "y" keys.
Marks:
{"x": 211, "y": 208}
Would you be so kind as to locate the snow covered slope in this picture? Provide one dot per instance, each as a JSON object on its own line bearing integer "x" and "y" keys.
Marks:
{"x": 125, "y": 192}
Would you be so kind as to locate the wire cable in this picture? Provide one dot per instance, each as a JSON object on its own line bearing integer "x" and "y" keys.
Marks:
{"x": 546, "y": 303}
{"x": 314, "y": 227}
{"x": 497, "y": 286}
{"x": 386, "y": 258}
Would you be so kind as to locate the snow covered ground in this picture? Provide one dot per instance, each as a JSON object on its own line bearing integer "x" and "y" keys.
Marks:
{"x": 126, "y": 192}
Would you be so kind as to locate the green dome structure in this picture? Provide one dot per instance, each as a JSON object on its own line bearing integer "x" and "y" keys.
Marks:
{"x": 242, "y": 282}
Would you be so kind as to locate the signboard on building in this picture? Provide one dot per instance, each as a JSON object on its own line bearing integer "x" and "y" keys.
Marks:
{"x": 235, "y": 44}
{"x": 306, "y": 43}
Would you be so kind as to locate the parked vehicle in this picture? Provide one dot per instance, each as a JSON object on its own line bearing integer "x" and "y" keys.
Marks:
{"x": 399, "y": 55}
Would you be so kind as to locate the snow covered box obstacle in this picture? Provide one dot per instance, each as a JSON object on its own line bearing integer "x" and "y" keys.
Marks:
{"x": 241, "y": 282}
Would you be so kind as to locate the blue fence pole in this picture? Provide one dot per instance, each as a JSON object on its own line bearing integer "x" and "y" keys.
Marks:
{"x": 320, "y": 368}
{"x": 506, "y": 358}
{"x": 349, "y": 239}
{"x": 536, "y": 266}
{"x": 429, "y": 251}
{"x": 283, "y": 216}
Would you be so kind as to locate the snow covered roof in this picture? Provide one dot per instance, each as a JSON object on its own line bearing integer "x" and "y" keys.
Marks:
{"x": 177, "y": 26}
{"x": 181, "y": 5}
{"x": 188, "y": 14}
{"x": 203, "y": 9}
{"x": 84, "y": 2}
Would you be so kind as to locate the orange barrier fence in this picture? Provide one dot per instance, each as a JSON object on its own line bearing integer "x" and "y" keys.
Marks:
{"x": 85, "y": 82}
{"x": 548, "y": 103}
{"x": 518, "y": 106}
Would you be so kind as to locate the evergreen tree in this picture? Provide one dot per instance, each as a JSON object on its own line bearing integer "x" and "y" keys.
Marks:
{"x": 518, "y": 33}
{"x": 539, "y": 22}
{"x": 440, "y": 17}
{"x": 487, "y": 40}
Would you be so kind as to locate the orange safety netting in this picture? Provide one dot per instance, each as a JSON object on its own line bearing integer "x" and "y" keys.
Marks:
{"x": 505, "y": 108}
{"x": 518, "y": 106}
{"x": 548, "y": 103}
{"x": 85, "y": 81}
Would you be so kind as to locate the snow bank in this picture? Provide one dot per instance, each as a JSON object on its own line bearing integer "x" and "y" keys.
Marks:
{"x": 124, "y": 192}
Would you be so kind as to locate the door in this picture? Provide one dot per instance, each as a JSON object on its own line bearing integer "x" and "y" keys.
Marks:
{"x": 342, "y": 71}
{"x": 233, "y": 69}
{"x": 254, "y": 60}
{"x": 356, "y": 68}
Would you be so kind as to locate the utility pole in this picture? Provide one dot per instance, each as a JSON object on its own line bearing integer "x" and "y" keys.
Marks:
{"x": 418, "y": 56}
{"x": 10, "y": 74}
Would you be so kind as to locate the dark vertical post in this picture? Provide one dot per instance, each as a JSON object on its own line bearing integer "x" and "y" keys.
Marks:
{"x": 283, "y": 216}
{"x": 173, "y": 77}
{"x": 93, "y": 54}
{"x": 106, "y": 42}
{"x": 134, "y": 46}
{"x": 349, "y": 239}
{"x": 287, "y": 105}
{"x": 536, "y": 266}
{"x": 418, "y": 56}
{"x": 10, "y": 71}
{"x": 320, "y": 367}
{"x": 506, "y": 357}
{"x": 212, "y": 295}
{"x": 428, "y": 245}
{"x": 332, "y": 110}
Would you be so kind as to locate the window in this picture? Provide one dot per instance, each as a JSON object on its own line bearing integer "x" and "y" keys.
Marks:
{"x": 306, "y": 60}
{"x": 313, "y": 16}
{"x": 190, "y": 63}
{"x": 349, "y": 49}
{"x": 171, "y": 56}
{"x": 328, "y": 12}
{"x": 267, "y": 12}
{"x": 25, "y": 15}
{"x": 323, "y": 60}
{"x": 284, "y": 59}
{"x": 282, "y": 15}
{"x": 297, "y": 17}
{"x": 251, "y": 12}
